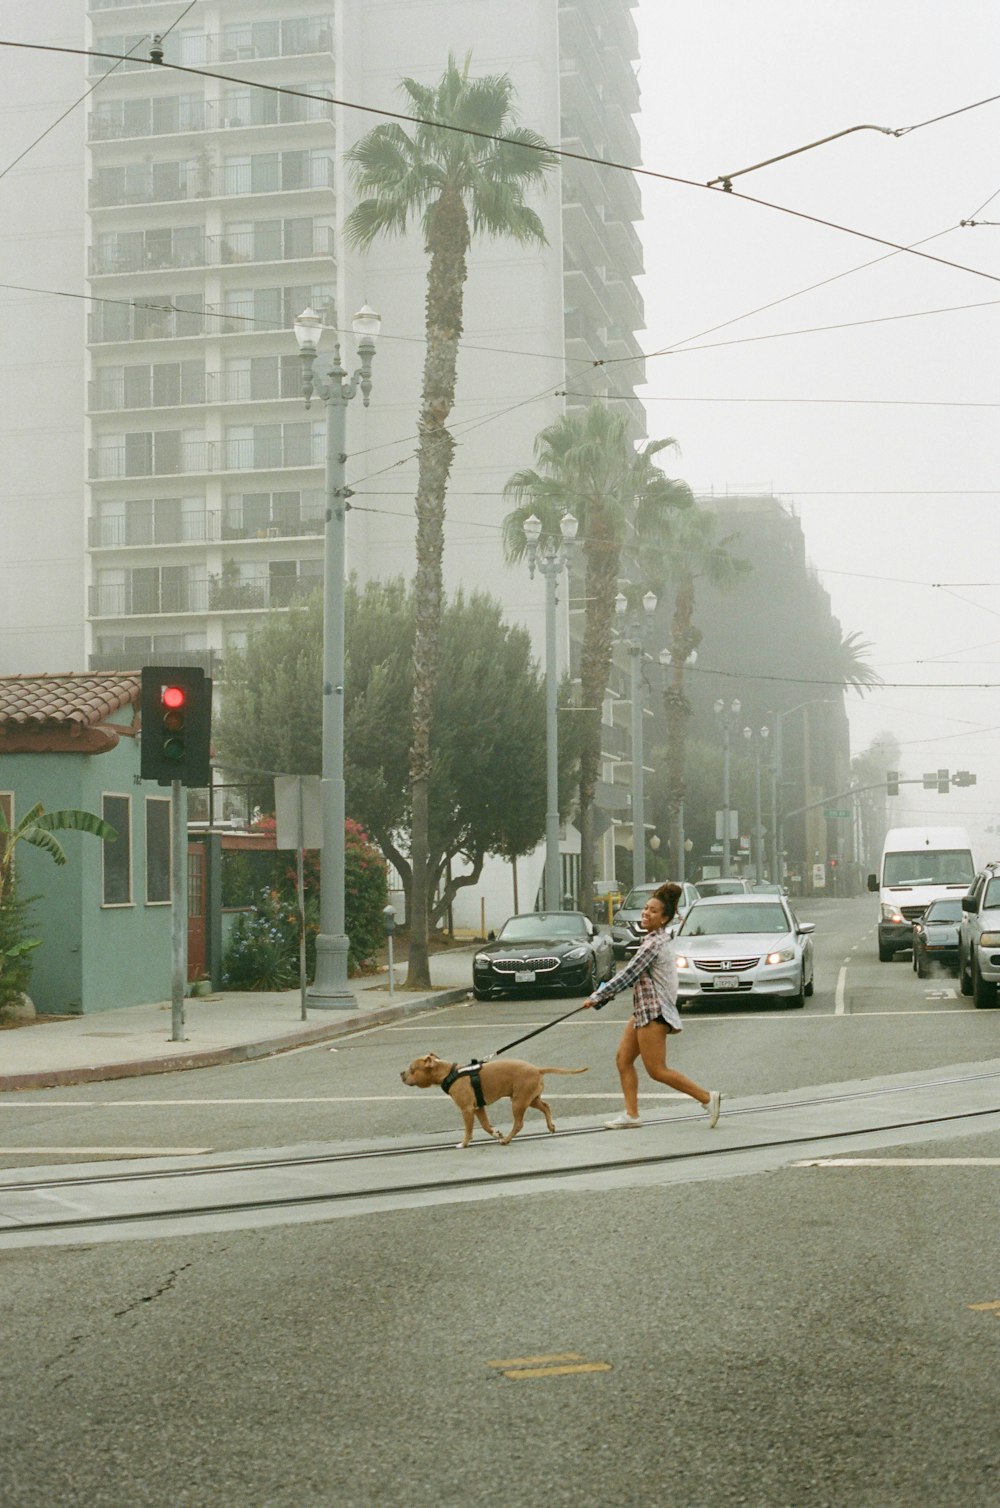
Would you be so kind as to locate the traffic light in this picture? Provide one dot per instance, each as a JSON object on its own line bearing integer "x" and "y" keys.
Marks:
{"x": 942, "y": 782}
{"x": 892, "y": 782}
{"x": 176, "y": 709}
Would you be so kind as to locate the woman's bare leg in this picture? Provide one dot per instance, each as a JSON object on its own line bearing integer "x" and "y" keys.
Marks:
{"x": 628, "y": 1051}
{"x": 651, "y": 1042}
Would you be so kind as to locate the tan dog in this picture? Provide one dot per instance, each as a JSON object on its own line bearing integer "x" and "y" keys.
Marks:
{"x": 500, "y": 1079}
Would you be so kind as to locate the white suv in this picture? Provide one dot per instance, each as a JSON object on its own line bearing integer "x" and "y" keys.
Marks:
{"x": 979, "y": 938}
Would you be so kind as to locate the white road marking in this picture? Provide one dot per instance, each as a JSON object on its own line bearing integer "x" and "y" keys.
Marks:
{"x": 107, "y": 1151}
{"x": 941, "y": 995}
{"x": 900, "y": 1162}
{"x": 838, "y": 1001}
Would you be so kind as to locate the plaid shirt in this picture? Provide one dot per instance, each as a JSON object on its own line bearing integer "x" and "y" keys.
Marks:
{"x": 653, "y": 974}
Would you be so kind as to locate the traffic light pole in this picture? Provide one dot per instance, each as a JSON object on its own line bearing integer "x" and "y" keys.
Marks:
{"x": 178, "y": 908}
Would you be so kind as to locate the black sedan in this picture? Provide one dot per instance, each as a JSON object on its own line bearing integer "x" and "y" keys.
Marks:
{"x": 543, "y": 951}
{"x": 935, "y": 936}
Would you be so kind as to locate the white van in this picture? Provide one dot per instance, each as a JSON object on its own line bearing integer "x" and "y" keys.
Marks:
{"x": 919, "y": 865}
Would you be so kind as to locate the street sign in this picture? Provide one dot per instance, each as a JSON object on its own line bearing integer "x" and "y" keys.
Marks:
{"x": 836, "y": 811}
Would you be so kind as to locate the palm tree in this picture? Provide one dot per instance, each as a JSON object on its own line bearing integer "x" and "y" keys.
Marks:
{"x": 686, "y": 552}
{"x": 36, "y": 828}
{"x": 849, "y": 665}
{"x": 586, "y": 464}
{"x": 465, "y": 181}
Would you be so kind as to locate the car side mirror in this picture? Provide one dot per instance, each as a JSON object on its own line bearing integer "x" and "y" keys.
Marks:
{"x": 873, "y": 882}
{"x": 969, "y": 903}
{"x": 806, "y": 927}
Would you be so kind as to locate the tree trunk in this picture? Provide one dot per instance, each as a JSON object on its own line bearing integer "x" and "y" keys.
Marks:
{"x": 447, "y": 242}
{"x": 684, "y": 637}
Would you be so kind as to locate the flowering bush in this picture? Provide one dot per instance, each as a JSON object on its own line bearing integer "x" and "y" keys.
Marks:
{"x": 263, "y": 952}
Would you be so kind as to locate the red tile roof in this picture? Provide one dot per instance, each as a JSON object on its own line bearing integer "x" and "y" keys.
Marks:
{"x": 64, "y": 701}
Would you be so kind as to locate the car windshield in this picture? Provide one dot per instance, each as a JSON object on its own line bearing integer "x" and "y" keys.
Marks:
{"x": 542, "y": 925}
{"x": 992, "y": 894}
{"x": 720, "y": 887}
{"x": 947, "y": 866}
{"x": 636, "y": 899}
{"x": 713, "y": 921}
{"x": 944, "y": 911}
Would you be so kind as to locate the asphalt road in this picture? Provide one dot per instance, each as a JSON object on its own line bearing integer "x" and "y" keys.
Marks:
{"x": 806, "y": 1336}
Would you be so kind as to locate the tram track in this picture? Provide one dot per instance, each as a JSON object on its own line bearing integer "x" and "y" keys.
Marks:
{"x": 495, "y": 1179}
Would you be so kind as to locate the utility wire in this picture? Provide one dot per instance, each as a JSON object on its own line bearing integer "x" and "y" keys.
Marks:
{"x": 562, "y": 152}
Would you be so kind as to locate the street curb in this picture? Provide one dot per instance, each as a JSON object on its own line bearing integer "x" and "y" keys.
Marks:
{"x": 245, "y": 1052}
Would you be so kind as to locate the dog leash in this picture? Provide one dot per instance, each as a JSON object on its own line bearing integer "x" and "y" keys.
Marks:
{"x": 535, "y": 1033}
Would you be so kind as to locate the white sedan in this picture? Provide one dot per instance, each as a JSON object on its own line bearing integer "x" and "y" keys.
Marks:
{"x": 744, "y": 946}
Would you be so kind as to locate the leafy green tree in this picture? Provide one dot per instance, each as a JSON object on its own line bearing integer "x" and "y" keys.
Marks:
{"x": 587, "y": 465}
{"x": 460, "y": 182}
{"x": 488, "y": 746}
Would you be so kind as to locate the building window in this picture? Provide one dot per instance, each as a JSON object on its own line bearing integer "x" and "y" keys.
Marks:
{"x": 116, "y": 884}
{"x": 157, "y": 850}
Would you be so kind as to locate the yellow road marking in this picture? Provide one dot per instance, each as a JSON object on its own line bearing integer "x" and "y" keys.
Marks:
{"x": 533, "y": 1361}
{"x": 993, "y": 1305}
{"x": 582, "y": 1366}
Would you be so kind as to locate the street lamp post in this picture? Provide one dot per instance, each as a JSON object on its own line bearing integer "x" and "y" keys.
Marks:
{"x": 330, "y": 990}
{"x": 758, "y": 830}
{"x": 634, "y": 643}
{"x": 778, "y": 782}
{"x": 726, "y": 716}
{"x": 552, "y": 559}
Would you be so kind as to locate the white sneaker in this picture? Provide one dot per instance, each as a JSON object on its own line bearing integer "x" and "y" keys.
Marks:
{"x": 622, "y": 1122}
{"x": 714, "y": 1108}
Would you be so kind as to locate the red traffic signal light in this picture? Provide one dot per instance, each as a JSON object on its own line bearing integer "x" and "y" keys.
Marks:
{"x": 176, "y": 725}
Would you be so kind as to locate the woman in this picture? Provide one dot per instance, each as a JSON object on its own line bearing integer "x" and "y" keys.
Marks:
{"x": 653, "y": 973}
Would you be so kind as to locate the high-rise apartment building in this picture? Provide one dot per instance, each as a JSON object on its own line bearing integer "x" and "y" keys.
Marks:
{"x": 201, "y": 212}
{"x": 211, "y": 215}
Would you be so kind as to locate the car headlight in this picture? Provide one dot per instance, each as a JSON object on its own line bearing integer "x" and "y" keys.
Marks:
{"x": 989, "y": 940}
{"x": 891, "y": 913}
{"x": 574, "y": 953}
{"x": 780, "y": 955}
{"x": 481, "y": 961}
{"x": 682, "y": 962}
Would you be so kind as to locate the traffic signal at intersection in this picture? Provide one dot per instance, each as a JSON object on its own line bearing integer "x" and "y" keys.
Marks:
{"x": 176, "y": 707}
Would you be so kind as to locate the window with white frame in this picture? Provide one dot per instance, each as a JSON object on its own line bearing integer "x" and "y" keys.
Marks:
{"x": 116, "y": 857}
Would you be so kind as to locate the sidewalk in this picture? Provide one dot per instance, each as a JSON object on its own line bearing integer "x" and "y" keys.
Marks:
{"x": 226, "y": 1028}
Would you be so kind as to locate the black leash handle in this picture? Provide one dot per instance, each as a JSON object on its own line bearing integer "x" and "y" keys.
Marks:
{"x": 536, "y": 1032}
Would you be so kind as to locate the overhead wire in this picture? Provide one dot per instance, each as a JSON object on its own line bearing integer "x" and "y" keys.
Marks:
{"x": 561, "y": 152}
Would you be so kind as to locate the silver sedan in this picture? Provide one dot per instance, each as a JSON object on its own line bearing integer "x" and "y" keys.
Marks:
{"x": 742, "y": 947}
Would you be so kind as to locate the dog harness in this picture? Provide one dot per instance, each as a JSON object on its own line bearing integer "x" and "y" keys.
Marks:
{"x": 472, "y": 1070}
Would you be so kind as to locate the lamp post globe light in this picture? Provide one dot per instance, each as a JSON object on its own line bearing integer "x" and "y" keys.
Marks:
{"x": 726, "y": 716}
{"x": 633, "y": 638}
{"x": 330, "y": 989}
{"x": 551, "y": 558}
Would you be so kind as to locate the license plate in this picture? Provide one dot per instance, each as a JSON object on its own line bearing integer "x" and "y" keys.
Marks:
{"x": 524, "y": 976}
{"x": 726, "y": 982}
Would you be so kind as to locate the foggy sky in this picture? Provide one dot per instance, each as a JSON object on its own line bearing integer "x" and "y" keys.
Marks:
{"x": 725, "y": 84}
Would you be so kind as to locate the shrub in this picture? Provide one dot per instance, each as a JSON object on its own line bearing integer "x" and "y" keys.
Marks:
{"x": 15, "y": 949}
{"x": 263, "y": 950}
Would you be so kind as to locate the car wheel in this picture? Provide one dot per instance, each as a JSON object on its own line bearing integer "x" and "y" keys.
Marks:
{"x": 964, "y": 978}
{"x": 984, "y": 992}
{"x": 811, "y": 986}
{"x": 797, "y": 1001}
{"x": 590, "y": 983}
{"x": 920, "y": 964}
{"x": 885, "y": 955}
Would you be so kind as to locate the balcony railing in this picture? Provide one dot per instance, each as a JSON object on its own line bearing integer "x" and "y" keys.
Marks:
{"x": 163, "y": 457}
{"x": 131, "y": 599}
{"x": 151, "y": 255}
{"x": 294, "y": 244}
{"x": 183, "y": 389}
{"x": 176, "y": 114}
{"x": 266, "y": 454}
{"x": 237, "y": 44}
{"x": 237, "y": 248}
{"x": 262, "y": 590}
{"x": 140, "y": 322}
{"x": 123, "y": 531}
{"x": 124, "y": 659}
{"x": 234, "y": 180}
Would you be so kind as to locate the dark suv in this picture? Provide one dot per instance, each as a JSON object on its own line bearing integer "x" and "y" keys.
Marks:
{"x": 979, "y": 938}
